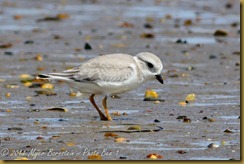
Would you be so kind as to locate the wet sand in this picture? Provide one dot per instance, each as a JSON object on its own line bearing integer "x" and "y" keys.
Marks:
{"x": 179, "y": 32}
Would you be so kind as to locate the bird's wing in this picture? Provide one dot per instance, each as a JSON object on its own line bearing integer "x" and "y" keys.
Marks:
{"x": 109, "y": 68}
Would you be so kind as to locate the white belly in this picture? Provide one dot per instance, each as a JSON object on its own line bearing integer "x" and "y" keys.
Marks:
{"x": 105, "y": 88}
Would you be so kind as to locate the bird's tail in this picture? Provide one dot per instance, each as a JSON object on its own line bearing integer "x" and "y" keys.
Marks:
{"x": 55, "y": 76}
{"x": 66, "y": 75}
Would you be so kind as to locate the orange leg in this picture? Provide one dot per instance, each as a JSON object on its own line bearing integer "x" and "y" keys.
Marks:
{"x": 102, "y": 116}
{"x": 104, "y": 101}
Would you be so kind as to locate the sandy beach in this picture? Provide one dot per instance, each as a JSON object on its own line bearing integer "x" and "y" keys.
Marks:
{"x": 198, "y": 43}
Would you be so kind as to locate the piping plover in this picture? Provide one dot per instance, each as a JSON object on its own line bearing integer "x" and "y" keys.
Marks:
{"x": 109, "y": 75}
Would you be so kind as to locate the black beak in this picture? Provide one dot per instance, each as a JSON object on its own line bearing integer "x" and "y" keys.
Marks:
{"x": 159, "y": 78}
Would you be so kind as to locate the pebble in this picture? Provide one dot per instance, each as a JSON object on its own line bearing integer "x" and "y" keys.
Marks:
{"x": 213, "y": 145}
{"x": 7, "y": 139}
{"x": 39, "y": 138}
{"x": 9, "y": 53}
{"x": 220, "y": 33}
{"x": 122, "y": 158}
{"x": 228, "y": 131}
{"x": 156, "y": 120}
{"x": 15, "y": 128}
{"x": 147, "y": 25}
{"x": 186, "y": 120}
{"x": 181, "y": 152}
{"x": 147, "y": 35}
{"x": 211, "y": 119}
{"x": 237, "y": 64}
{"x": 212, "y": 56}
{"x": 228, "y": 5}
{"x": 179, "y": 41}
{"x": 87, "y": 46}
{"x": 156, "y": 102}
{"x": 29, "y": 42}
{"x": 181, "y": 117}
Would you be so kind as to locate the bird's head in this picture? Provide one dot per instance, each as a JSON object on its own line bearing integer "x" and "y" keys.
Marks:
{"x": 150, "y": 65}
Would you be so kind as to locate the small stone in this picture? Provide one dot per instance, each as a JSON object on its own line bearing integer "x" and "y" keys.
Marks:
{"x": 237, "y": 64}
{"x": 136, "y": 127}
{"x": 56, "y": 37}
{"x": 147, "y": 46}
{"x": 205, "y": 118}
{"x": 115, "y": 97}
{"x": 186, "y": 120}
{"x": 29, "y": 42}
{"x": 181, "y": 152}
{"x": 156, "y": 120}
{"x": 181, "y": 117}
{"x": 220, "y": 33}
{"x": 223, "y": 142}
{"x": 116, "y": 113}
{"x": 187, "y": 22}
{"x": 147, "y": 25}
{"x": 190, "y": 97}
{"x": 168, "y": 16}
{"x": 235, "y": 24}
{"x": 212, "y": 56}
{"x": 156, "y": 102}
{"x": 15, "y": 128}
{"x": 38, "y": 57}
{"x": 126, "y": 25}
{"x": 228, "y": 131}
{"x": 120, "y": 140}
{"x": 179, "y": 41}
{"x": 6, "y": 139}
{"x": 147, "y": 35}
{"x": 213, "y": 145}
{"x": 182, "y": 103}
{"x": 87, "y": 46}
{"x": 122, "y": 158}
{"x": 228, "y": 5}
{"x": 9, "y": 53}
{"x": 211, "y": 119}
{"x": 8, "y": 95}
{"x": 6, "y": 45}
{"x": 57, "y": 109}
{"x": 47, "y": 86}
{"x": 190, "y": 68}
{"x": 39, "y": 138}
{"x": 151, "y": 94}
{"x": 236, "y": 53}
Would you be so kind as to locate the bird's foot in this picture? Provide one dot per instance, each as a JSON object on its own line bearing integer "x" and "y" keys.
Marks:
{"x": 106, "y": 118}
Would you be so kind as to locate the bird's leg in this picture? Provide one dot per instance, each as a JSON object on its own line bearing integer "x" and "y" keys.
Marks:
{"x": 104, "y": 102}
{"x": 102, "y": 116}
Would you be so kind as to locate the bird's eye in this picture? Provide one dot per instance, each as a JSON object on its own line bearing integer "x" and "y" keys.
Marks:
{"x": 150, "y": 65}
